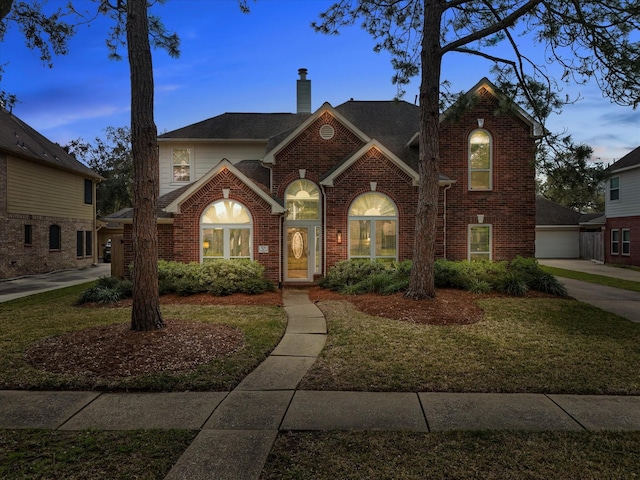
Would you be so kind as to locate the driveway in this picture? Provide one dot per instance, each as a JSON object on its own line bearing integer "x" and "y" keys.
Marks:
{"x": 621, "y": 302}
{"x": 24, "y": 286}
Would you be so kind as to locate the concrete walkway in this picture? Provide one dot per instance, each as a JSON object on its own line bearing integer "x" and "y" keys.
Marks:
{"x": 237, "y": 429}
{"x": 621, "y": 302}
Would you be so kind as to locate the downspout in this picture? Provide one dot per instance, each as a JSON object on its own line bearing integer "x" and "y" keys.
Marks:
{"x": 281, "y": 251}
{"x": 444, "y": 220}
{"x": 324, "y": 231}
{"x": 94, "y": 238}
{"x": 280, "y": 230}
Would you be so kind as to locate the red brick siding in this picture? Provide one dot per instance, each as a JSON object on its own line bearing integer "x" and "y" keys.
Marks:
{"x": 631, "y": 223}
{"x": 356, "y": 180}
{"x": 510, "y": 206}
{"x": 311, "y": 152}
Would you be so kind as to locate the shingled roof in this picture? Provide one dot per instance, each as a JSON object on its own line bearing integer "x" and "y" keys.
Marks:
{"x": 238, "y": 126}
{"x": 630, "y": 160}
{"x": 551, "y": 213}
{"x": 20, "y": 140}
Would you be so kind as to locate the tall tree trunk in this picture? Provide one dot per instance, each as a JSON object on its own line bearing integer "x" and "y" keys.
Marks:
{"x": 145, "y": 314}
{"x": 421, "y": 283}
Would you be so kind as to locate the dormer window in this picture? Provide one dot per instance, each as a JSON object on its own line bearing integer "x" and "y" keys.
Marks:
{"x": 480, "y": 161}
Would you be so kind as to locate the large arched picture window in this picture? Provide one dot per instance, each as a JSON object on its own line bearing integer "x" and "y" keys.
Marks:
{"x": 480, "y": 161}
{"x": 226, "y": 231}
{"x": 302, "y": 200}
{"x": 373, "y": 227}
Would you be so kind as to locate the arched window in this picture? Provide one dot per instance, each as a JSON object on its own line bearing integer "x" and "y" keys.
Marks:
{"x": 480, "y": 161}
{"x": 302, "y": 200}
{"x": 226, "y": 231}
{"x": 373, "y": 227}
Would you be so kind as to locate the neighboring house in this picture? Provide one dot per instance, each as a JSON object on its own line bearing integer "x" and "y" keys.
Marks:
{"x": 622, "y": 209}
{"x": 564, "y": 233}
{"x": 301, "y": 192}
{"x": 47, "y": 204}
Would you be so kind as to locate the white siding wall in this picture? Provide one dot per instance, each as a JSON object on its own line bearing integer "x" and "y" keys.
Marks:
{"x": 629, "y": 203}
{"x": 205, "y": 156}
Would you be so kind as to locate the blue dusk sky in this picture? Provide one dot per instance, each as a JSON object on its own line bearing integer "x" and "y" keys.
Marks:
{"x": 234, "y": 62}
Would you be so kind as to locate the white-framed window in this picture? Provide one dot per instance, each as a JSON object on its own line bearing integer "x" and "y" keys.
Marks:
{"x": 626, "y": 241}
{"x": 302, "y": 200}
{"x": 226, "y": 231}
{"x": 480, "y": 237}
{"x": 614, "y": 188}
{"x": 615, "y": 242}
{"x": 181, "y": 164}
{"x": 480, "y": 160}
{"x": 373, "y": 228}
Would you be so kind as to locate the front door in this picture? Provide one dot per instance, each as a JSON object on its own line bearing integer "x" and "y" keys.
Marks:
{"x": 303, "y": 250}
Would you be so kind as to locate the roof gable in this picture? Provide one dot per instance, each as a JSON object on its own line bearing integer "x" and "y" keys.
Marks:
{"x": 19, "y": 139}
{"x": 270, "y": 157}
{"x": 174, "y": 205}
{"x": 489, "y": 87}
{"x": 329, "y": 178}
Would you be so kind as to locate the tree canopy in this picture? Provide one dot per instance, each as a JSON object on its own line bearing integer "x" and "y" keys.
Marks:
{"x": 111, "y": 158}
{"x": 589, "y": 40}
{"x": 48, "y": 33}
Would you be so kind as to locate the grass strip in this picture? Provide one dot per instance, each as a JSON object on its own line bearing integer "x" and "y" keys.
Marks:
{"x": 454, "y": 455}
{"x": 88, "y": 455}
{"x": 593, "y": 278}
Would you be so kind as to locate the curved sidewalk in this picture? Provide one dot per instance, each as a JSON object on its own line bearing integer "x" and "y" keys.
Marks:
{"x": 237, "y": 428}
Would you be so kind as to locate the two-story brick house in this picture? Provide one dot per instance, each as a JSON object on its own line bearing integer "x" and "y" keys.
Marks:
{"x": 300, "y": 192}
{"x": 47, "y": 204}
{"x": 622, "y": 210}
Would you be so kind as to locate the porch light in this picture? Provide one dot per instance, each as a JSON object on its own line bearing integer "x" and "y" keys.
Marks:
{"x": 205, "y": 244}
{"x": 339, "y": 236}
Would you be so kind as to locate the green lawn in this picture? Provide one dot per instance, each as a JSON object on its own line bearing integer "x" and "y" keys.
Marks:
{"x": 90, "y": 455}
{"x": 592, "y": 278}
{"x": 454, "y": 455}
{"x": 25, "y": 321}
{"x": 544, "y": 345}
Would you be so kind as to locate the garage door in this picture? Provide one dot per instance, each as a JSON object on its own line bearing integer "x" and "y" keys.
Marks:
{"x": 557, "y": 244}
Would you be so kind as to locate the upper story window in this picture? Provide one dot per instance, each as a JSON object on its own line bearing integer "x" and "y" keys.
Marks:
{"x": 480, "y": 160}
{"x": 373, "y": 228}
{"x": 226, "y": 231}
{"x": 614, "y": 188}
{"x": 88, "y": 191}
{"x": 302, "y": 200}
{"x": 181, "y": 158}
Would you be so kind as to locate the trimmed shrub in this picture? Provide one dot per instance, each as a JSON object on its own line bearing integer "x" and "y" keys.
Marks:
{"x": 218, "y": 277}
{"x": 513, "y": 283}
{"x": 547, "y": 283}
{"x": 107, "y": 290}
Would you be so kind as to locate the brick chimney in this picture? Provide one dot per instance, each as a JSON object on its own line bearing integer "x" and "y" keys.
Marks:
{"x": 303, "y": 92}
